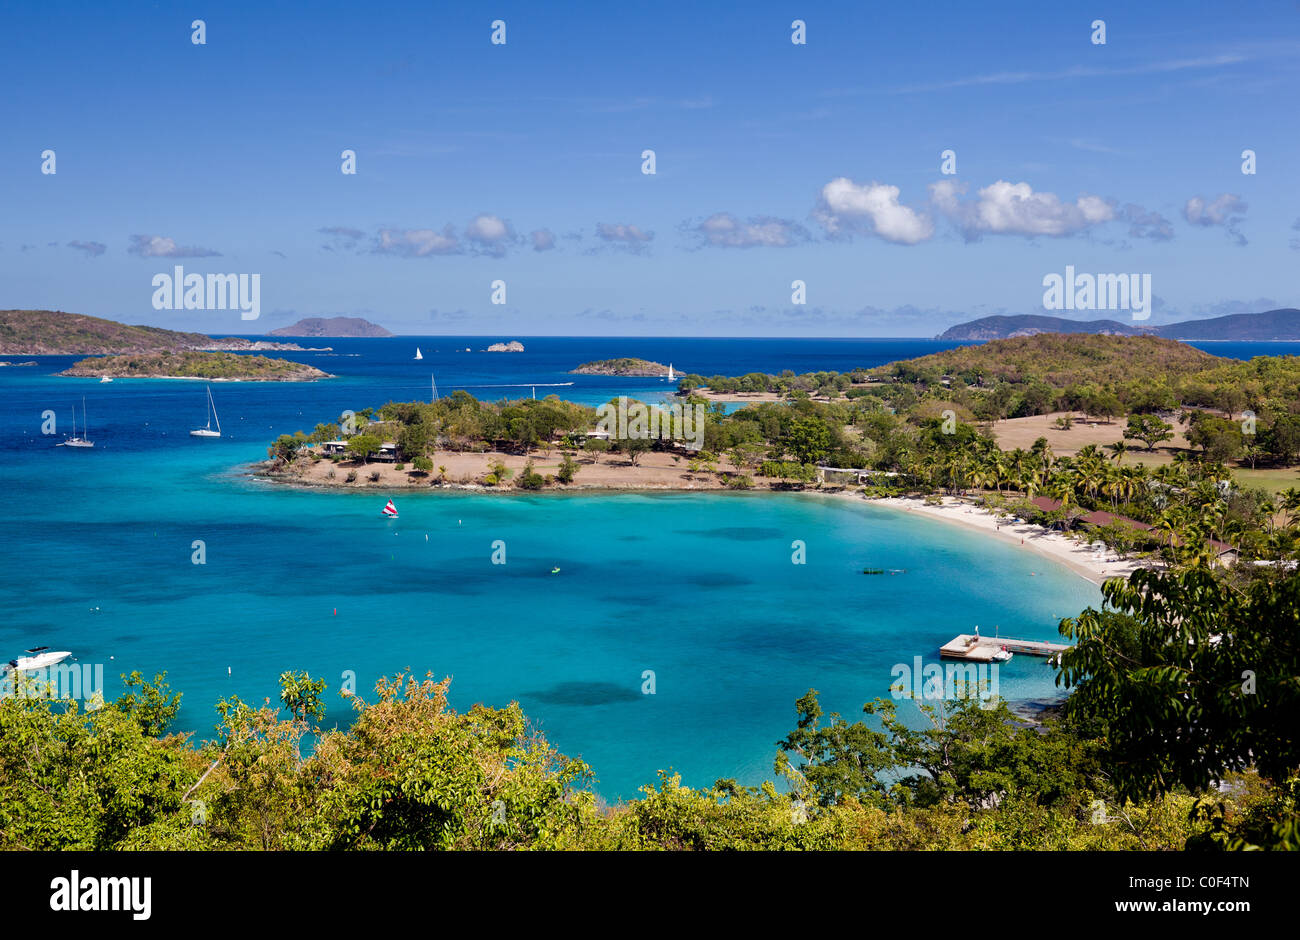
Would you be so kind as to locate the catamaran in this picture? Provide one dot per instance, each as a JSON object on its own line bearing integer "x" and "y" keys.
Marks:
{"x": 390, "y": 510}
{"x": 418, "y": 354}
{"x": 75, "y": 441}
{"x": 38, "y": 658}
{"x": 206, "y": 430}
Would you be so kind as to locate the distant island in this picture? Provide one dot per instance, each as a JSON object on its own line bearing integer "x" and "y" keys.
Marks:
{"x": 1271, "y": 326}
{"x": 513, "y": 346}
{"x": 353, "y": 327}
{"x": 190, "y": 364}
{"x": 622, "y": 366}
{"x": 55, "y": 333}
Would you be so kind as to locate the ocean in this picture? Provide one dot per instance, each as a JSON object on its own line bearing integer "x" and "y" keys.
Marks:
{"x": 691, "y": 596}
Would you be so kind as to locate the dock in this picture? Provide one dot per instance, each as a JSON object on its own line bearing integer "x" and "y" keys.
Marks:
{"x": 973, "y": 647}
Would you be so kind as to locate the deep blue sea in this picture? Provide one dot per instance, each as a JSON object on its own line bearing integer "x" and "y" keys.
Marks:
{"x": 697, "y": 588}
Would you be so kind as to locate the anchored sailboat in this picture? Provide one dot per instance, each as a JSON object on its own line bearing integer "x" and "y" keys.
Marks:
{"x": 206, "y": 430}
{"x": 75, "y": 441}
{"x": 418, "y": 354}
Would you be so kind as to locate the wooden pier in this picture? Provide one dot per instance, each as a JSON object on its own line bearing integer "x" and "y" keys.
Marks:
{"x": 980, "y": 649}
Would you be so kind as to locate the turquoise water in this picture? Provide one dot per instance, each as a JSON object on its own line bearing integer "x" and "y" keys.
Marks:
{"x": 698, "y": 588}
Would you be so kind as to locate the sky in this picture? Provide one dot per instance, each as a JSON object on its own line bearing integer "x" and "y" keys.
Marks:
{"x": 522, "y": 162}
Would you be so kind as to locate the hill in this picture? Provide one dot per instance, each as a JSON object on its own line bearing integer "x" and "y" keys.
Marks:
{"x": 621, "y": 366}
{"x": 52, "y": 333}
{"x": 332, "y": 326}
{"x": 189, "y": 364}
{"x": 1005, "y": 327}
{"x": 55, "y": 333}
{"x": 1058, "y": 359}
{"x": 1283, "y": 325}
{"x": 1272, "y": 325}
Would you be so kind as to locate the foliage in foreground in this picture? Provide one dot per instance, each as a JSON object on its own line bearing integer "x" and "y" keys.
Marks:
{"x": 410, "y": 774}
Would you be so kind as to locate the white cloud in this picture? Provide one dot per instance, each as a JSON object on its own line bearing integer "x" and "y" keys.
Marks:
{"x": 416, "y": 242}
{"x": 490, "y": 233}
{"x": 159, "y": 246}
{"x": 847, "y": 207}
{"x": 629, "y": 237}
{"x": 1004, "y": 208}
{"x": 543, "y": 239}
{"x": 92, "y": 249}
{"x": 724, "y": 229}
{"x": 1226, "y": 209}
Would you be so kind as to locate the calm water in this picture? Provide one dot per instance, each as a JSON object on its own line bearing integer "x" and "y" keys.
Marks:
{"x": 697, "y": 588}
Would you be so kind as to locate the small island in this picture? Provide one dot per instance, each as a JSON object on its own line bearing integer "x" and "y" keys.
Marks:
{"x": 351, "y": 327}
{"x": 621, "y": 366}
{"x": 190, "y": 364}
{"x": 513, "y": 346}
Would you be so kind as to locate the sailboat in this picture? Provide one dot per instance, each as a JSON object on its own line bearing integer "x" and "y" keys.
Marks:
{"x": 390, "y": 510}
{"x": 206, "y": 430}
{"x": 418, "y": 354}
{"x": 672, "y": 377}
{"x": 75, "y": 441}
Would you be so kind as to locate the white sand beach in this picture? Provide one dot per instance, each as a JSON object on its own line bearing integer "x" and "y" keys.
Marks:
{"x": 1077, "y": 555}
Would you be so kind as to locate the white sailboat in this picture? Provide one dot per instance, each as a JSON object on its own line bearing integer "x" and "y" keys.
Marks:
{"x": 418, "y": 354}
{"x": 75, "y": 441}
{"x": 672, "y": 377}
{"x": 206, "y": 430}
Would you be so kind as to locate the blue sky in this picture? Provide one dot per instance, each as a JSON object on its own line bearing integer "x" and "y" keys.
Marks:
{"x": 522, "y": 162}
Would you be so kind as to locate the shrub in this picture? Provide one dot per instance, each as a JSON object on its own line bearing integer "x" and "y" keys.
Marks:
{"x": 740, "y": 481}
{"x": 400, "y": 466}
{"x": 530, "y": 479}
{"x": 352, "y": 476}
{"x": 331, "y": 474}
{"x": 374, "y": 476}
{"x": 568, "y": 470}
{"x": 423, "y": 464}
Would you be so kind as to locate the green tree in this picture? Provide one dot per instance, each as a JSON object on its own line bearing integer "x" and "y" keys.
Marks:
{"x": 1149, "y": 429}
{"x": 1188, "y": 678}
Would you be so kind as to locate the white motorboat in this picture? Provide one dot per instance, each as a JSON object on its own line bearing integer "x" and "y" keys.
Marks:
{"x": 38, "y": 658}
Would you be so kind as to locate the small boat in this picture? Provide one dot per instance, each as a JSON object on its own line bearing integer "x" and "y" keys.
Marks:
{"x": 390, "y": 510}
{"x": 873, "y": 570}
{"x": 1001, "y": 655}
{"x": 38, "y": 658}
{"x": 555, "y": 571}
{"x": 206, "y": 430}
{"x": 75, "y": 441}
{"x": 671, "y": 376}
{"x": 418, "y": 354}
{"x": 103, "y": 379}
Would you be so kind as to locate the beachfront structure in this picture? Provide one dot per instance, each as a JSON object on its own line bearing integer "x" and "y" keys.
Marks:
{"x": 850, "y": 475}
{"x": 1099, "y": 518}
{"x": 334, "y": 447}
{"x": 387, "y": 451}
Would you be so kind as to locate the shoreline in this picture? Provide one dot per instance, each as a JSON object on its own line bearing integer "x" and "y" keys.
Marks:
{"x": 1047, "y": 543}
